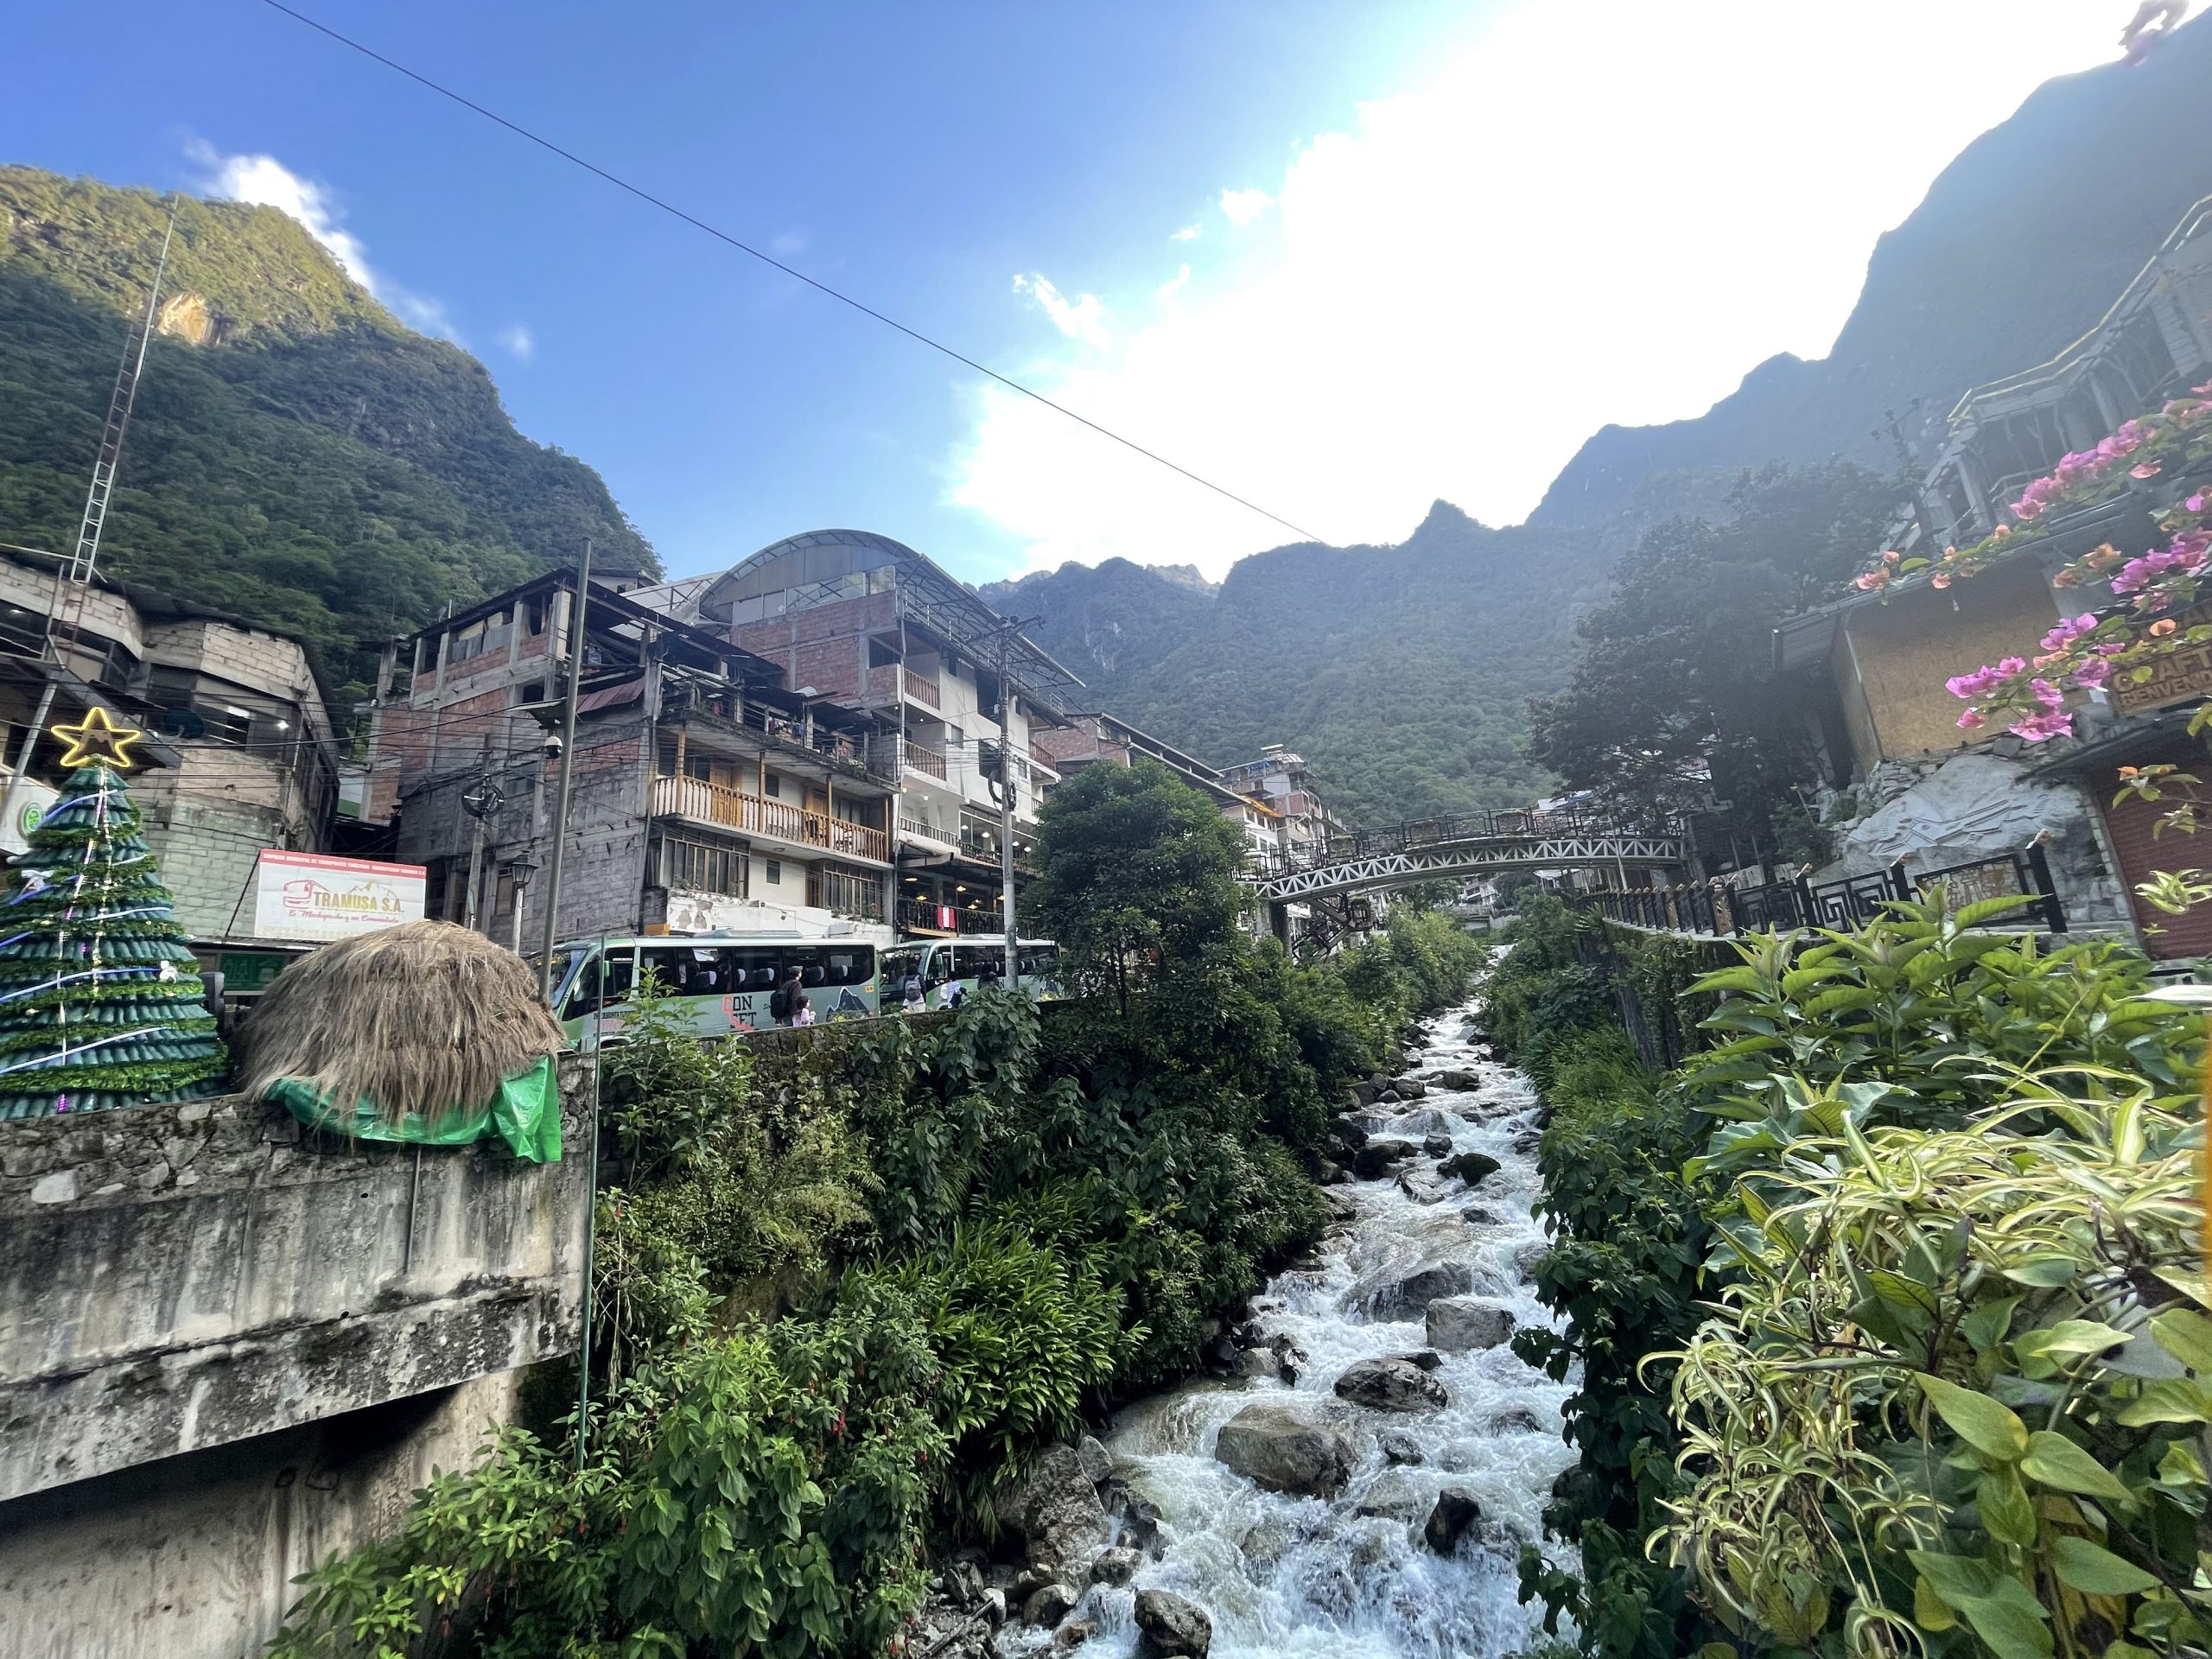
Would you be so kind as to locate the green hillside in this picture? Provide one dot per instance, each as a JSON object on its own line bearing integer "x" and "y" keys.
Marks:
{"x": 1401, "y": 673}
{"x": 297, "y": 456}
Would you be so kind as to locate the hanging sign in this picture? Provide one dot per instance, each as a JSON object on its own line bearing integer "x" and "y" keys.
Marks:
{"x": 308, "y": 896}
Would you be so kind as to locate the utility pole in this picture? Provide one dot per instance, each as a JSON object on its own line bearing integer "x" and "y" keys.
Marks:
{"x": 1003, "y": 791}
{"x": 480, "y": 804}
{"x": 578, "y": 613}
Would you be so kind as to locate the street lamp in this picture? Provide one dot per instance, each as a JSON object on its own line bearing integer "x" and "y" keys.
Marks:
{"x": 519, "y": 869}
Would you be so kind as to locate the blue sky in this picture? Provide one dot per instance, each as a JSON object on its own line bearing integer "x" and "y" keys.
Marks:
{"x": 1344, "y": 258}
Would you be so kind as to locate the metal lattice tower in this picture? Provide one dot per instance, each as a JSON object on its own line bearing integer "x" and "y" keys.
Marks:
{"x": 83, "y": 560}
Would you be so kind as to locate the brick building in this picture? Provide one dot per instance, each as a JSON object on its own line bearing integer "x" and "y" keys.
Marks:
{"x": 705, "y": 796}
{"x": 241, "y": 755}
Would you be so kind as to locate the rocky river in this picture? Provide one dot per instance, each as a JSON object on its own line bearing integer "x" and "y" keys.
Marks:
{"x": 1360, "y": 1486}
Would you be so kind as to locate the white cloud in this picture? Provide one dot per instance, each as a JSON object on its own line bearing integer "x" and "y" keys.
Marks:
{"x": 1188, "y": 233}
{"x": 1083, "y": 319}
{"x": 518, "y": 341}
{"x": 787, "y": 242}
{"x": 1242, "y": 207}
{"x": 266, "y": 182}
{"x": 1477, "y": 273}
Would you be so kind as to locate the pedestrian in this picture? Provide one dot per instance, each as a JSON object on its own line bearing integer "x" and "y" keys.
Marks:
{"x": 790, "y": 998}
{"x": 911, "y": 995}
{"x": 805, "y": 1016}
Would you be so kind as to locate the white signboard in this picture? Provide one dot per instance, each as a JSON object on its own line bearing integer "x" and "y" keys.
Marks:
{"x": 33, "y": 801}
{"x": 308, "y": 896}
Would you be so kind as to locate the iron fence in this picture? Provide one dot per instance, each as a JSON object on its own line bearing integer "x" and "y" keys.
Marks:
{"x": 1719, "y": 909}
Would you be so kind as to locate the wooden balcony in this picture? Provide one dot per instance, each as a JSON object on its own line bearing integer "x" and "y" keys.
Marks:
{"x": 701, "y": 802}
{"x": 891, "y": 680}
{"x": 926, "y": 761}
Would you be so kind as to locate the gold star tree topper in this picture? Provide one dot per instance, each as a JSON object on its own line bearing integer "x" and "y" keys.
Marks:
{"x": 96, "y": 741}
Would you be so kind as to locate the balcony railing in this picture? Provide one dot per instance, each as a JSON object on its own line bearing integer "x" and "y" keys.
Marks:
{"x": 913, "y": 914}
{"x": 701, "y": 802}
{"x": 927, "y": 762}
{"x": 919, "y": 830}
{"x": 920, "y": 687}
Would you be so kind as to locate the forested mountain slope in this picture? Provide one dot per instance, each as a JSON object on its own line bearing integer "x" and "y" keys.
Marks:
{"x": 1400, "y": 673}
{"x": 297, "y": 456}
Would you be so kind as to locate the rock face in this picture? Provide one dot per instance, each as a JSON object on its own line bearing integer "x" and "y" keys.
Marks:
{"x": 1285, "y": 1451}
{"x": 1457, "y": 1323}
{"x": 1054, "y": 1509}
{"x": 1469, "y": 1167}
{"x": 1173, "y": 1626}
{"x": 1391, "y": 1385}
{"x": 1404, "y": 1298}
{"x": 1379, "y": 1156}
{"x": 1456, "y": 1511}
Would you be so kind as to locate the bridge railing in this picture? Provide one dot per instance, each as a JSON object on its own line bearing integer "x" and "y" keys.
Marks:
{"x": 1718, "y": 909}
{"x": 1422, "y": 833}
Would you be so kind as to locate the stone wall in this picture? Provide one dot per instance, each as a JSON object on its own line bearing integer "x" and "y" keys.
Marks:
{"x": 185, "y": 1275}
{"x": 193, "y": 1557}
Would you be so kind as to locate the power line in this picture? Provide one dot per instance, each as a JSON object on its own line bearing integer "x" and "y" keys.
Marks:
{"x": 646, "y": 196}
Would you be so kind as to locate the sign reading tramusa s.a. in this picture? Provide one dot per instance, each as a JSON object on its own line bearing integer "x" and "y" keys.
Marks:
{"x": 308, "y": 896}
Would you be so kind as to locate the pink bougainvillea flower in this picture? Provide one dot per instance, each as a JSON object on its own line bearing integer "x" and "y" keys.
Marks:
{"x": 1940, "y": 579}
{"x": 1867, "y": 581}
{"x": 1972, "y": 721}
{"x": 2040, "y": 728}
{"x": 2144, "y": 469}
{"x": 2092, "y": 674}
{"x": 1892, "y": 557}
{"x": 2068, "y": 630}
{"x": 2066, "y": 579}
{"x": 2196, "y": 503}
{"x": 2047, "y": 693}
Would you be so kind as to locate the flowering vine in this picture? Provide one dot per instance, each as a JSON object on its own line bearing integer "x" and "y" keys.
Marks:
{"x": 2132, "y": 605}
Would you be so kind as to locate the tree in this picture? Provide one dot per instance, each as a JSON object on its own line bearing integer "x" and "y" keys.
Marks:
{"x": 1672, "y": 703}
{"x": 1137, "y": 877}
{"x": 101, "y": 1005}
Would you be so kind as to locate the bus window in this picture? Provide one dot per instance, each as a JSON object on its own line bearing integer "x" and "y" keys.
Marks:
{"x": 605, "y": 980}
{"x": 846, "y": 967}
{"x": 671, "y": 965}
{"x": 754, "y": 968}
{"x": 939, "y": 969}
{"x": 979, "y": 962}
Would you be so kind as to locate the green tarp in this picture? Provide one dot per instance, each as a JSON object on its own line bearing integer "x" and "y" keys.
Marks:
{"x": 526, "y": 1113}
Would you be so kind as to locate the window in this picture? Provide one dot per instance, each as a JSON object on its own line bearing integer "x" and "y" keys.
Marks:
{"x": 536, "y": 612}
{"x": 698, "y": 864}
{"x": 772, "y": 787}
{"x": 881, "y": 655}
{"x": 775, "y": 869}
{"x": 197, "y": 705}
{"x": 534, "y": 692}
{"x": 606, "y": 980}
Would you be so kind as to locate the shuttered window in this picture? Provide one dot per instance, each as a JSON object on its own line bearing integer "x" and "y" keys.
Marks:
{"x": 2143, "y": 853}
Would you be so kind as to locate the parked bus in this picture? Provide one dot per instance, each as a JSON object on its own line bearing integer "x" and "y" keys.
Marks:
{"x": 949, "y": 966}
{"x": 722, "y": 982}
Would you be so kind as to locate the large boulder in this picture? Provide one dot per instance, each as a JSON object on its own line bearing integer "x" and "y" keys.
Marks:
{"x": 1380, "y": 1156}
{"x": 1412, "y": 1088}
{"x": 1437, "y": 1145}
{"x": 1171, "y": 1626}
{"x": 1459, "y": 1080}
{"x": 1422, "y": 1120}
{"x": 1285, "y": 1450}
{"x": 1054, "y": 1509}
{"x": 1390, "y": 1385}
{"x": 1457, "y": 1323}
{"x": 1398, "y": 1446}
{"x": 1048, "y": 1603}
{"x": 1095, "y": 1460}
{"x": 1391, "y": 1498}
{"x": 1350, "y": 1129}
{"x": 1420, "y": 1187}
{"x": 1406, "y": 1298}
{"x": 1469, "y": 1167}
{"x": 1455, "y": 1512}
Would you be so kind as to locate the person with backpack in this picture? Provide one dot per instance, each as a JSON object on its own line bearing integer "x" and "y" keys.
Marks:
{"x": 913, "y": 1000}
{"x": 785, "y": 1001}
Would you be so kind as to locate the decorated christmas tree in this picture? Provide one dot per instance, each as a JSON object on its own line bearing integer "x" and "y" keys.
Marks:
{"x": 101, "y": 1005}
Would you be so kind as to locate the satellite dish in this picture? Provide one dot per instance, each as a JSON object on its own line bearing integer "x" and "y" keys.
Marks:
{"x": 183, "y": 723}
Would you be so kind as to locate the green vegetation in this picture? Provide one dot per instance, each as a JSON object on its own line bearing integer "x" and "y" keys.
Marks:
{"x": 848, "y": 1285}
{"x": 1888, "y": 1303}
{"x": 315, "y": 467}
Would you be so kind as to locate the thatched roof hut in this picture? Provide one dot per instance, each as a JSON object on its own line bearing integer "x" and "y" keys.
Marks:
{"x": 423, "y": 1018}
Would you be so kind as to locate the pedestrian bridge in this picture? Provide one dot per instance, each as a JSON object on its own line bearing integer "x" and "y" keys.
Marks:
{"x": 1484, "y": 843}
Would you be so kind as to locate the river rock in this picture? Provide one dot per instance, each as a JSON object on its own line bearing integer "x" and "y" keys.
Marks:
{"x": 1049, "y": 1604}
{"x": 1419, "y": 1187}
{"x": 1530, "y": 1256}
{"x": 1116, "y": 1565}
{"x": 1516, "y": 1419}
{"x": 1380, "y": 1156}
{"x": 1422, "y": 1120}
{"x": 1364, "y": 1093}
{"x": 1457, "y": 1323}
{"x": 1482, "y": 1215}
{"x": 1054, "y": 1509}
{"x": 1095, "y": 1460}
{"x": 1390, "y": 1385}
{"x": 1468, "y": 1166}
{"x": 1465, "y": 1080}
{"x": 1406, "y": 1298}
{"x": 1256, "y": 1363}
{"x": 1455, "y": 1512}
{"x": 1437, "y": 1145}
{"x": 1282, "y": 1448}
{"x": 990, "y": 1607}
{"x": 1412, "y": 1088}
{"x": 1350, "y": 1128}
{"x": 1398, "y": 1446}
{"x": 1392, "y": 1497}
{"x": 1173, "y": 1626}
{"x": 1390, "y": 1097}
{"x": 1074, "y": 1633}
{"x": 1341, "y": 1206}
{"x": 1426, "y": 1358}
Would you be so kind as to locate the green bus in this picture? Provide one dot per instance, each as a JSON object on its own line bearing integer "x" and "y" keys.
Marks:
{"x": 952, "y": 969}
{"x": 722, "y": 981}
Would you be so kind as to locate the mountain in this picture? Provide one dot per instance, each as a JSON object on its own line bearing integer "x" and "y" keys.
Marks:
{"x": 297, "y": 456}
{"x": 1400, "y": 673}
{"x": 2018, "y": 248}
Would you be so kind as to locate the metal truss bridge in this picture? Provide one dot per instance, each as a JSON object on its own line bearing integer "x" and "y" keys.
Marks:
{"x": 1485, "y": 844}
